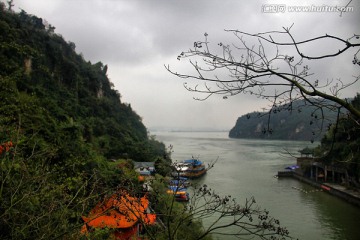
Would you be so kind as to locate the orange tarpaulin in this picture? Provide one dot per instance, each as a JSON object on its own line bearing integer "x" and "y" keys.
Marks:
{"x": 119, "y": 211}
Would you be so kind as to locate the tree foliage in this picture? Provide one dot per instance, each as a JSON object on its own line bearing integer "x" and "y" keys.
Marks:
{"x": 340, "y": 147}
{"x": 60, "y": 123}
{"x": 45, "y": 68}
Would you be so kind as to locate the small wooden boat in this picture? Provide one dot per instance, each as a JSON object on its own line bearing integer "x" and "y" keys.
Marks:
{"x": 180, "y": 193}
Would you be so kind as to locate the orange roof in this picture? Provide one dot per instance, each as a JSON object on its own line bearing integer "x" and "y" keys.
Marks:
{"x": 119, "y": 211}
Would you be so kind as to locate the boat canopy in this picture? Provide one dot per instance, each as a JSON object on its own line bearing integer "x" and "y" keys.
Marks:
{"x": 293, "y": 167}
{"x": 177, "y": 189}
{"x": 175, "y": 182}
{"x": 194, "y": 162}
{"x": 182, "y": 178}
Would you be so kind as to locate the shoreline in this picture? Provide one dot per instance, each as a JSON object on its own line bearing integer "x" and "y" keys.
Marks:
{"x": 350, "y": 196}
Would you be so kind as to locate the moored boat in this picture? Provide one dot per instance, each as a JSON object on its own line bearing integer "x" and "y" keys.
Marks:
{"x": 191, "y": 168}
{"x": 180, "y": 182}
{"x": 180, "y": 194}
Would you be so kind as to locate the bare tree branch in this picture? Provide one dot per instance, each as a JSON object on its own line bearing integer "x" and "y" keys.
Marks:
{"x": 266, "y": 72}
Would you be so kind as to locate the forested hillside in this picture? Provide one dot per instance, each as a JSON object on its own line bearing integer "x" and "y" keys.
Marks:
{"x": 61, "y": 122}
{"x": 296, "y": 122}
{"x": 63, "y": 92}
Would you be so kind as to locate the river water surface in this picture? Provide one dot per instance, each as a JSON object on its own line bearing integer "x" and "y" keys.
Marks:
{"x": 247, "y": 168}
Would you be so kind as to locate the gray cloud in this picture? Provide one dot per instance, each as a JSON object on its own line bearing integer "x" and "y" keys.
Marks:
{"x": 135, "y": 38}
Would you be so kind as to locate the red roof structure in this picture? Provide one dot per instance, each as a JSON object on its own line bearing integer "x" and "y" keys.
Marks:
{"x": 119, "y": 211}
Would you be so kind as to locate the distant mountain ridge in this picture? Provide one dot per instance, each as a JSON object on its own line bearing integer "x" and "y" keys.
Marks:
{"x": 300, "y": 123}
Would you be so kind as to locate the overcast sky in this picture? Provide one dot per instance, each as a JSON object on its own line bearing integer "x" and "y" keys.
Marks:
{"x": 135, "y": 38}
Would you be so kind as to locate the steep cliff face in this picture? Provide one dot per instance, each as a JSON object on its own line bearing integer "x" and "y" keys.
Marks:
{"x": 43, "y": 68}
{"x": 301, "y": 123}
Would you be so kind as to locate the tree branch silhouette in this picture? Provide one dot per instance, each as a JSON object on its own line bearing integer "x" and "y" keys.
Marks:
{"x": 264, "y": 70}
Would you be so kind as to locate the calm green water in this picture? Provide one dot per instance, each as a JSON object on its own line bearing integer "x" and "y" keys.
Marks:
{"x": 247, "y": 167}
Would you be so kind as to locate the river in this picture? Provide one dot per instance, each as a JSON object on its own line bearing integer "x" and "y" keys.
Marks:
{"x": 247, "y": 168}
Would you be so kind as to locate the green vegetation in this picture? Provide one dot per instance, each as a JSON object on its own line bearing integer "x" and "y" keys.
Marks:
{"x": 298, "y": 121}
{"x": 340, "y": 146}
{"x": 176, "y": 218}
{"x": 66, "y": 139}
{"x": 61, "y": 122}
{"x": 340, "y": 142}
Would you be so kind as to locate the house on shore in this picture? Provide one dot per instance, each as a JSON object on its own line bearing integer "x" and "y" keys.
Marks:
{"x": 317, "y": 170}
{"x": 144, "y": 168}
